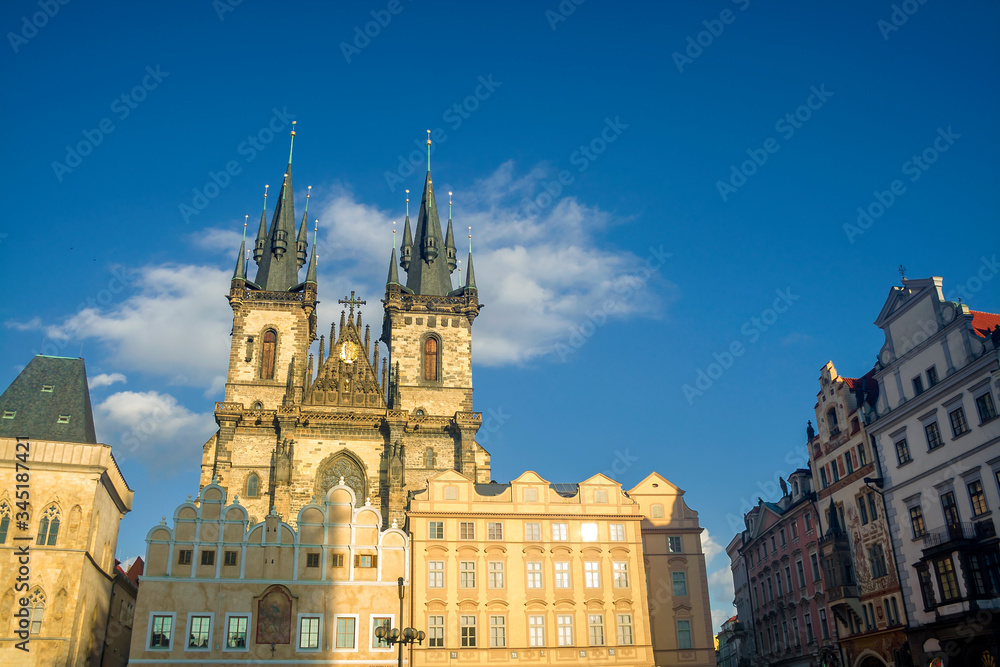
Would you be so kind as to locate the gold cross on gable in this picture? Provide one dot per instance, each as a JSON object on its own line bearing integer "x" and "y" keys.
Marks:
{"x": 352, "y": 301}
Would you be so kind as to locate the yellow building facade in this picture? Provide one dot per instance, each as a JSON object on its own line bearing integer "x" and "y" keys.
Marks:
{"x": 58, "y": 567}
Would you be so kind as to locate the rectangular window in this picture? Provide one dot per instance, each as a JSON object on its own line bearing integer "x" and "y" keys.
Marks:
{"x": 494, "y": 530}
{"x": 588, "y": 532}
{"x": 862, "y": 459}
{"x": 809, "y": 525}
{"x": 932, "y": 376}
{"x": 47, "y": 388}
{"x": 781, "y": 535}
{"x": 467, "y": 574}
{"x": 312, "y": 560}
{"x": 309, "y": 633}
{"x": 208, "y": 557}
{"x": 849, "y": 462}
{"x": 917, "y": 521}
{"x": 795, "y": 630}
{"x": 536, "y": 631}
{"x": 495, "y": 574}
{"x": 364, "y": 560}
{"x": 595, "y": 627}
{"x": 680, "y": 583}
{"x": 231, "y": 557}
{"x": 62, "y": 419}
{"x": 468, "y": 624}
{"x": 592, "y": 574}
{"x": 876, "y": 559}
{"x": 951, "y": 517}
{"x": 815, "y": 566}
{"x": 863, "y": 510}
{"x": 534, "y": 575}
{"x": 345, "y": 632}
{"x": 801, "y": 573}
{"x": 918, "y": 385}
{"x": 435, "y": 530}
{"x": 560, "y": 532}
{"x": 162, "y": 630}
{"x": 533, "y": 531}
{"x": 236, "y": 632}
{"x": 903, "y": 452}
{"x": 795, "y": 530}
{"x": 382, "y": 622}
{"x": 617, "y": 531}
{"x": 824, "y": 627}
{"x": 684, "y": 634}
{"x": 435, "y": 574}
{"x": 565, "y": 628}
{"x": 985, "y": 407}
{"x": 620, "y": 569}
{"x": 498, "y": 631}
{"x": 562, "y": 575}
{"x": 872, "y": 507}
{"x": 947, "y": 582}
{"x": 674, "y": 544}
{"x": 624, "y": 629}
{"x": 810, "y": 637}
{"x": 198, "y": 635}
{"x": 336, "y": 560}
{"x": 977, "y": 498}
{"x": 467, "y": 530}
{"x": 958, "y": 423}
{"x": 184, "y": 557}
{"x": 435, "y": 631}
{"x": 926, "y": 588}
{"x": 836, "y": 469}
{"x": 773, "y": 544}
{"x": 822, "y": 478}
{"x": 933, "y": 434}
{"x": 531, "y": 495}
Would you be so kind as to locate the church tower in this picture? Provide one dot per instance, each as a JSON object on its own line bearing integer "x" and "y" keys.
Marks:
{"x": 294, "y": 425}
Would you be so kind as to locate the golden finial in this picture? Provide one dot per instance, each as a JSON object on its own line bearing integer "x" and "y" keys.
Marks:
{"x": 428, "y": 150}
{"x": 407, "y": 203}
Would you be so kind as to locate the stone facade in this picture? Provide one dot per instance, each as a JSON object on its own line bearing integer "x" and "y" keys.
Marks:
{"x": 221, "y": 589}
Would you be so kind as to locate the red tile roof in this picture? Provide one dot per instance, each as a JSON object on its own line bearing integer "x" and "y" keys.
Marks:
{"x": 983, "y": 323}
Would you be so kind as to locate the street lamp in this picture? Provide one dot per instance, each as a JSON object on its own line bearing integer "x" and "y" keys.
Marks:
{"x": 392, "y": 635}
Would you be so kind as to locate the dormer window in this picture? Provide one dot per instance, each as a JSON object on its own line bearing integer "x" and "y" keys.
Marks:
{"x": 63, "y": 419}
{"x": 9, "y": 414}
{"x": 47, "y": 388}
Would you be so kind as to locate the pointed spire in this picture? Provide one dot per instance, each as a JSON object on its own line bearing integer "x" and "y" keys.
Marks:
{"x": 427, "y": 273}
{"x": 393, "y": 278}
{"x": 333, "y": 337}
{"x": 385, "y": 376}
{"x": 311, "y": 272}
{"x": 258, "y": 249}
{"x": 406, "y": 249}
{"x": 240, "y": 272}
{"x": 302, "y": 242}
{"x": 322, "y": 350}
{"x": 470, "y": 273}
{"x": 449, "y": 241}
{"x": 278, "y": 269}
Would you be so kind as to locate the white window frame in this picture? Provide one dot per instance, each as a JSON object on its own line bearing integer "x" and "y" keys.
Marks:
{"x": 591, "y": 626}
{"x": 336, "y": 633}
{"x": 621, "y": 626}
{"x": 225, "y": 638}
{"x": 532, "y": 531}
{"x": 564, "y": 572}
{"x": 495, "y": 575}
{"x": 464, "y": 571}
{"x": 298, "y": 632}
{"x": 616, "y": 532}
{"x": 430, "y": 625}
{"x": 435, "y": 574}
{"x": 173, "y": 631}
{"x": 534, "y": 574}
{"x": 560, "y": 532}
{"x": 536, "y": 631}
{"x": 564, "y": 631}
{"x": 211, "y": 628}
{"x": 589, "y": 532}
{"x": 371, "y": 630}
{"x": 494, "y": 530}
{"x": 502, "y": 625}
{"x": 591, "y": 574}
{"x": 619, "y": 570}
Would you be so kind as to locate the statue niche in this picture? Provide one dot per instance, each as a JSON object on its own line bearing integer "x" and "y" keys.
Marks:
{"x": 346, "y": 466}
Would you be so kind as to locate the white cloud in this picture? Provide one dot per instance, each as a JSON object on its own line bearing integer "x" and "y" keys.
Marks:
{"x": 221, "y": 240}
{"x": 721, "y": 593}
{"x": 710, "y": 547}
{"x": 154, "y": 428}
{"x": 105, "y": 380}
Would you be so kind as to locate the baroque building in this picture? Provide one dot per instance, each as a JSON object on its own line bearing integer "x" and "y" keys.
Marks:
{"x": 862, "y": 585}
{"x": 62, "y": 498}
{"x": 935, "y": 432}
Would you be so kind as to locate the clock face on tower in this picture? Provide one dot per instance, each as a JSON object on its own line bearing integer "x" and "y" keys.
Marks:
{"x": 349, "y": 351}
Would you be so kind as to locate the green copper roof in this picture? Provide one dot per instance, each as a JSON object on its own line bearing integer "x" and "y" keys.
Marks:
{"x": 49, "y": 400}
{"x": 428, "y": 271}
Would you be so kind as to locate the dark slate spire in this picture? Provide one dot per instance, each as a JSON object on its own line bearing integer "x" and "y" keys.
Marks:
{"x": 311, "y": 271}
{"x": 49, "y": 400}
{"x": 302, "y": 243}
{"x": 393, "y": 278}
{"x": 241, "y": 273}
{"x": 428, "y": 272}
{"x": 449, "y": 241}
{"x": 258, "y": 248}
{"x": 278, "y": 269}
{"x": 470, "y": 275}
{"x": 406, "y": 250}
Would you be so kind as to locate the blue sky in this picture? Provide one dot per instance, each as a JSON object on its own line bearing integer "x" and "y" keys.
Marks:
{"x": 651, "y": 186}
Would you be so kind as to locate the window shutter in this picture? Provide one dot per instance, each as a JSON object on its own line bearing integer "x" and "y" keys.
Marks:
{"x": 357, "y": 560}
{"x": 374, "y": 561}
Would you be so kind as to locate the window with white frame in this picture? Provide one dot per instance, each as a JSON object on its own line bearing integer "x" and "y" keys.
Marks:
{"x": 536, "y": 630}
{"x": 382, "y": 622}
{"x": 495, "y": 574}
{"x": 902, "y": 452}
{"x": 562, "y": 575}
{"x": 494, "y": 530}
{"x": 498, "y": 631}
{"x": 435, "y": 574}
{"x": 624, "y": 629}
{"x": 684, "y": 634}
{"x": 236, "y": 632}
{"x": 674, "y": 544}
{"x": 468, "y": 627}
{"x": 435, "y": 530}
{"x": 161, "y": 630}
{"x": 534, "y": 575}
{"x": 199, "y": 632}
{"x": 467, "y": 574}
{"x": 680, "y": 583}
{"x": 533, "y": 531}
{"x": 620, "y": 569}
{"x": 592, "y": 574}
{"x": 959, "y": 425}
{"x": 985, "y": 407}
{"x": 560, "y": 532}
{"x": 588, "y": 532}
{"x": 467, "y": 530}
{"x": 309, "y": 628}
{"x": 531, "y": 495}
{"x": 977, "y": 498}
{"x": 435, "y": 631}
{"x": 617, "y": 532}
{"x": 346, "y": 628}
{"x": 595, "y": 629}
{"x": 600, "y": 496}
{"x": 564, "y": 626}
{"x": 933, "y": 434}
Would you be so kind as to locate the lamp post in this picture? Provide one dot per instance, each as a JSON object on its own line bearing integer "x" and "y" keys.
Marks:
{"x": 392, "y": 635}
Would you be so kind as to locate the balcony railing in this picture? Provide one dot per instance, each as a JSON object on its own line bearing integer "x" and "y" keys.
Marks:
{"x": 980, "y": 530}
{"x": 835, "y": 593}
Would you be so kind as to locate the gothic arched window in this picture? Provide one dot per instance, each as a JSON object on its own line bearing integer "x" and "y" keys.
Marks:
{"x": 253, "y": 484}
{"x": 431, "y": 359}
{"x": 36, "y": 603}
{"x": 48, "y": 527}
{"x": 342, "y": 466}
{"x": 429, "y": 458}
{"x": 4, "y": 521}
{"x": 267, "y": 355}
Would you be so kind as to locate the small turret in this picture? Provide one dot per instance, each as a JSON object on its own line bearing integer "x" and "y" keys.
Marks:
{"x": 449, "y": 241}
{"x": 258, "y": 248}
{"x": 241, "y": 273}
{"x": 301, "y": 243}
{"x": 406, "y": 250}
